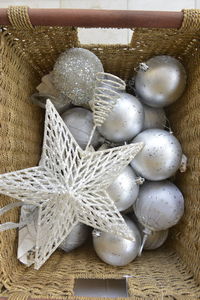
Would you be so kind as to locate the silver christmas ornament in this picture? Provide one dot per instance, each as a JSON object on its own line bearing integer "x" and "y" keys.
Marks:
{"x": 80, "y": 123}
{"x": 76, "y": 237}
{"x": 124, "y": 190}
{"x": 117, "y": 251}
{"x": 159, "y": 206}
{"x": 156, "y": 239}
{"x": 160, "y": 81}
{"x": 74, "y": 74}
{"x": 160, "y": 157}
{"x": 125, "y": 120}
{"x": 154, "y": 117}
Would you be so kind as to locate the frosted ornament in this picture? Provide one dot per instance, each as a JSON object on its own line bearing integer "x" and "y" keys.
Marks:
{"x": 74, "y": 74}
{"x": 160, "y": 205}
{"x": 160, "y": 157}
{"x": 69, "y": 186}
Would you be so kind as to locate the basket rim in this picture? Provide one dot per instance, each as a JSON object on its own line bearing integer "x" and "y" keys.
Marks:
{"x": 94, "y": 18}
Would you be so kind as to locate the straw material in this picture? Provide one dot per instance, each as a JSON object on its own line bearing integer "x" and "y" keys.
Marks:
{"x": 27, "y": 54}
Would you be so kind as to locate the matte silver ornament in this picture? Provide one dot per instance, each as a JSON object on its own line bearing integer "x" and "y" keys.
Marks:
{"x": 160, "y": 157}
{"x": 154, "y": 117}
{"x": 124, "y": 190}
{"x": 76, "y": 237}
{"x": 156, "y": 239}
{"x": 159, "y": 206}
{"x": 74, "y": 74}
{"x": 162, "y": 82}
{"x": 125, "y": 120}
{"x": 114, "y": 250}
{"x": 80, "y": 123}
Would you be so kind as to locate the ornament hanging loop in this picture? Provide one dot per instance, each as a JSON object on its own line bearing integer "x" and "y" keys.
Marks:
{"x": 147, "y": 232}
{"x": 142, "y": 67}
{"x": 183, "y": 166}
{"x": 139, "y": 180}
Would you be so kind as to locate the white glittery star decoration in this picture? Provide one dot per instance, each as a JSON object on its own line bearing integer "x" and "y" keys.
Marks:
{"x": 69, "y": 186}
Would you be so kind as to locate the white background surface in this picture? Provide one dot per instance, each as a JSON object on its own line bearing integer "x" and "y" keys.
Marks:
{"x": 106, "y": 36}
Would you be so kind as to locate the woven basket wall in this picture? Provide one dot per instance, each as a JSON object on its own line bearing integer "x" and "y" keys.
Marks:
{"x": 172, "y": 272}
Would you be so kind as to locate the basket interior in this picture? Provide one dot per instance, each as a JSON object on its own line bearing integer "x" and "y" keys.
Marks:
{"x": 171, "y": 272}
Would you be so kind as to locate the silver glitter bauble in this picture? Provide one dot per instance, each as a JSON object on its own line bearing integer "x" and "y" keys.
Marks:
{"x": 162, "y": 81}
{"x": 74, "y": 74}
{"x": 80, "y": 123}
{"x": 160, "y": 157}
{"x": 159, "y": 206}
{"x": 156, "y": 239}
{"x": 124, "y": 190}
{"x": 125, "y": 120}
{"x": 154, "y": 117}
{"x": 76, "y": 238}
{"x": 114, "y": 250}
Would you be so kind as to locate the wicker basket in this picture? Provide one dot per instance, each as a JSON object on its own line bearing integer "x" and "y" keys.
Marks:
{"x": 27, "y": 53}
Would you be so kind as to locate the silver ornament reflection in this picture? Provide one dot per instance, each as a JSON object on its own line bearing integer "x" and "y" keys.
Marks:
{"x": 125, "y": 120}
{"x": 154, "y": 117}
{"x": 124, "y": 190}
{"x": 156, "y": 239}
{"x": 80, "y": 123}
{"x": 159, "y": 206}
{"x": 163, "y": 81}
{"x": 76, "y": 238}
{"x": 114, "y": 250}
{"x": 160, "y": 157}
{"x": 74, "y": 74}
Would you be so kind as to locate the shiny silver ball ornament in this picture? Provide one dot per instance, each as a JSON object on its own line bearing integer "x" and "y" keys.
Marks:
{"x": 160, "y": 81}
{"x": 159, "y": 206}
{"x": 154, "y": 117}
{"x": 80, "y": 123}
{"x": 117, "y": 251}
{"x": 125, "y": 120}
{"x": 160, "y": 157}
{"x": 124, "y": 190}
{"x": 76, "y": 238}
{"x": 74, "y": 74}
{"x": 155, "y": 239}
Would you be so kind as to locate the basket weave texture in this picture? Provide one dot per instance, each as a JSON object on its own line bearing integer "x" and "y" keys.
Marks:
{"x": 27, "y": 53}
